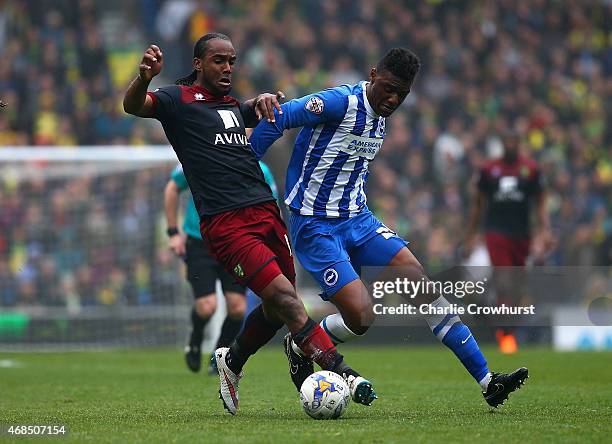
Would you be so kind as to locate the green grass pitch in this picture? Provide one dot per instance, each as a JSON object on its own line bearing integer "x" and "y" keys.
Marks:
{"x": 425, "y": 396}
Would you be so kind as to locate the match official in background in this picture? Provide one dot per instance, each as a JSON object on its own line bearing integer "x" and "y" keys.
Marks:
{"x": 203, "y": 271}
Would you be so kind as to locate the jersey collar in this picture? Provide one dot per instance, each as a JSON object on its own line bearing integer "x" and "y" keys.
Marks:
{"x": 209, "y": 97}
{"x": 368, "y": 107}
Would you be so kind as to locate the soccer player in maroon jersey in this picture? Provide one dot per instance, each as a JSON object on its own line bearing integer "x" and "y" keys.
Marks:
{"x": 508, "y": 188}
{"x": 239, "y": 217}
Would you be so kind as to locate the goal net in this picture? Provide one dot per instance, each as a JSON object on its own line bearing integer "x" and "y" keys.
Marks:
{"x": 83, "y": 252}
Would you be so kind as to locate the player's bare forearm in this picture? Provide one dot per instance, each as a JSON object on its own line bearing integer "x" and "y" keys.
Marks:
{"x": 544, "y": 236}
{"x": 542, "y": 213}
{"x": 171, "y": 194}
{"x": 475, "y": 214}
{"x": 176, "y": 242}
{"x": 135, "y": 98}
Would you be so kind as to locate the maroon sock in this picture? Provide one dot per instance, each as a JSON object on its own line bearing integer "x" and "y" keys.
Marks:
{"x": 257, "y": 332}
{"x": 229, "y": 331}
{"x": 316, "y": 345}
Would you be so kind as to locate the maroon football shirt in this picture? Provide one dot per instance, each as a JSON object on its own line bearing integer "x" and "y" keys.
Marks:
{"x": 510, "y": 189}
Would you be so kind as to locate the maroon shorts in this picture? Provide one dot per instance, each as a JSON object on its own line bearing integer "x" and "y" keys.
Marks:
{"x": 506, "y": 251}
{"x": 251, "y": 243}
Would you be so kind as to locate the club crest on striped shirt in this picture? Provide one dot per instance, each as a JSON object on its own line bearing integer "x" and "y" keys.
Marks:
{"x": 315, "y": 105}
{"x": 380, "y": 130}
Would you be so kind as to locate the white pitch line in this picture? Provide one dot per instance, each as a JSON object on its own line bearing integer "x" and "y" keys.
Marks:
{"x": 9, "y": 363}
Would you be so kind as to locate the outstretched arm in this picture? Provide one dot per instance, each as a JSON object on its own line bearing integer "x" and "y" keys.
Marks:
{"x": 324, "y": 107}
{"x": 136, "y": 101}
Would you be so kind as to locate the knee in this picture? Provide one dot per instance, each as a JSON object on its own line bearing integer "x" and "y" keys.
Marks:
{"x": 406, "y": 260}
{"x": 415, "y": 267}
{"x": 236, "y": 305}
{"x": 206, "y": 306}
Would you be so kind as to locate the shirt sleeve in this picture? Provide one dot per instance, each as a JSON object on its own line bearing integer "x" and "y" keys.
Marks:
{"x": 269, "y": 178}
{"x": 323, "y": 107}
{"x": 164, "y": 101}
{"x": 178, "y": 176}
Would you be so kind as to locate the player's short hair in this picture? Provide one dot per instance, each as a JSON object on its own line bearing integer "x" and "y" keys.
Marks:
{"x": 401, "y": 62}
{"x": 199, "y": 51}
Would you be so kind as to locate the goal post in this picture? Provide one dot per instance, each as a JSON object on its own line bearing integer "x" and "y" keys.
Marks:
{"x": 84, "y": 260}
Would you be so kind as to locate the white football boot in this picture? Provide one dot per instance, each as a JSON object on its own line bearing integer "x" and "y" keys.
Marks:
{"x": 228, "y": 392}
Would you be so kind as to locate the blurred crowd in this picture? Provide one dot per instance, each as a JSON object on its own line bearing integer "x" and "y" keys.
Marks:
{"x": 59, "y": 246}
{"x": 542, "y": 67}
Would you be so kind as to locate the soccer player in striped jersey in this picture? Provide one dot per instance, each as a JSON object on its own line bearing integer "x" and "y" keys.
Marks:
{"x": 334, "y": 233}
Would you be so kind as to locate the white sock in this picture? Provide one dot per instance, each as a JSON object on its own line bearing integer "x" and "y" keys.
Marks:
{"x": 337, "y": 330}
{"x": 484, "y": 383}
{"x": 435, "y": 320}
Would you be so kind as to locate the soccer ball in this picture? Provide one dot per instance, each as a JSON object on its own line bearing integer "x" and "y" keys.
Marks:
{"x": 325, "y": 395}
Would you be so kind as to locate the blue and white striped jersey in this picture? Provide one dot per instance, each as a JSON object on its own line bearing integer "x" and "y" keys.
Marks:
{"x": 328, "y": 169}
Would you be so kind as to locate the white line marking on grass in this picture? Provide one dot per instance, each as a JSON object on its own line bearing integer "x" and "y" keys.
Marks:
{"x": 9, "y": 363}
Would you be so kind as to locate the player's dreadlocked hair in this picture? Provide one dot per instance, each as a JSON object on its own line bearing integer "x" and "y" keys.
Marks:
{"x": 400, "y": 62}
{"x": 199, "y": 50}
